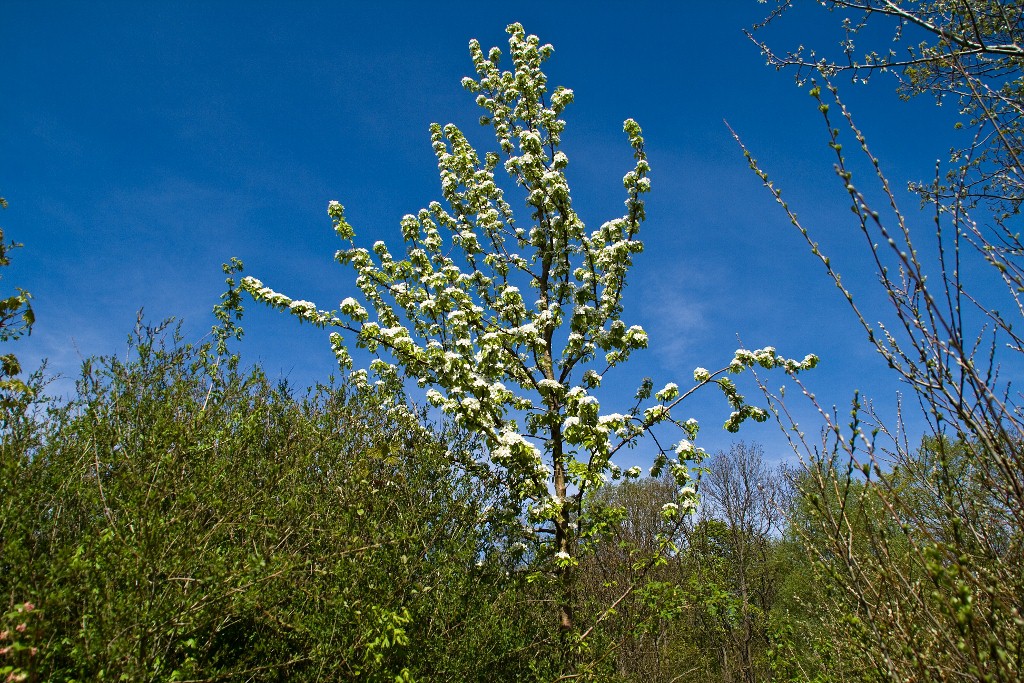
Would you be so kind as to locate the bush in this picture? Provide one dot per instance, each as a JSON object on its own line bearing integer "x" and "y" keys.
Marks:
{"x": 182, "y": 520}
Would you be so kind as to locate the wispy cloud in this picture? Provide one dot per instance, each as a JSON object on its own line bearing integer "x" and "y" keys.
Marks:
{"x": 674, "y": 322}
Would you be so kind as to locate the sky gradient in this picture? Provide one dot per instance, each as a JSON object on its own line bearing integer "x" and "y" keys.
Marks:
{"x": 143, "y": 144}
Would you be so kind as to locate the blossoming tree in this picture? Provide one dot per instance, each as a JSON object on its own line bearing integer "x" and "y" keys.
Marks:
{"x": 512, "y": 324}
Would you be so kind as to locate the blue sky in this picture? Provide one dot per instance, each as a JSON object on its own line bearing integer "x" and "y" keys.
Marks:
{"x": 142, "y": 144}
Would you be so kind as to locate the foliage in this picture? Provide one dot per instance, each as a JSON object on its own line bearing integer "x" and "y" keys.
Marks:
{"x": 182, "y": 521}
{"x": 17, "y": 633}
{"x": 730, "y": 570}
{"x": 748, "y": 498}
{"x": 712, "y": 609}
{"x": 16, "y": 319}
{"x": 618, "y": 570}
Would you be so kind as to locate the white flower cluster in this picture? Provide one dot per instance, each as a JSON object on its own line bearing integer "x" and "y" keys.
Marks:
{"x": 550, "y": 386}
{"x": 669, "y": 393}
{"x": 677, "y": 467}
{"x": 768, "y": 359}
{"x": 546, "y": 508}
{"x": 564, "y": 559}
{"x": 304, "y": 310}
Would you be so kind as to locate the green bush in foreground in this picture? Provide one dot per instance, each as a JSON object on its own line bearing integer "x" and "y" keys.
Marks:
{"x": 177, "y": 520}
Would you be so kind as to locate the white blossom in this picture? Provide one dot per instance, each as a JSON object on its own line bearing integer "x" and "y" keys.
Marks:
{"x": 550, "y": 385}
{"x": 670, "y": 392}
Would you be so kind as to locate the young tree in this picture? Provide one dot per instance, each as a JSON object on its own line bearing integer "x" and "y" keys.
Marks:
{"x": 522, "y": 370}
{"x": 741, "y": 491}
{"x": 924, "y": 545}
